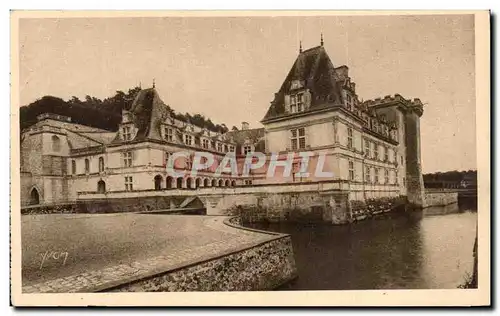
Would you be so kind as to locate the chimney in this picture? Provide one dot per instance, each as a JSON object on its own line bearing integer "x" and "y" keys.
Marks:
{"x": 244, "y": 126}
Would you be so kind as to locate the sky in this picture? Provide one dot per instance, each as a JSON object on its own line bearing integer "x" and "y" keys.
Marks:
{"x": 228, "y": 69}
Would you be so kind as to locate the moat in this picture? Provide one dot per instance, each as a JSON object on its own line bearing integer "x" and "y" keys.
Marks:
{"x": 430, "y": 251}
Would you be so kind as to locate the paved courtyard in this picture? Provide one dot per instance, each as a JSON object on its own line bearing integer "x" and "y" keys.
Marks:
{"x": 82, "y": 252}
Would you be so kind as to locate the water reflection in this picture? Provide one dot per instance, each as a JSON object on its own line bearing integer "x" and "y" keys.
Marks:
{"x": 429, "y": 251}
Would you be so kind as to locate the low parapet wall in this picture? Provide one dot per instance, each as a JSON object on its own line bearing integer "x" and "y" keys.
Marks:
{"x": 262, "y": 267}
{"x": 439, "y": 198}
{"x": 241, "y": 260}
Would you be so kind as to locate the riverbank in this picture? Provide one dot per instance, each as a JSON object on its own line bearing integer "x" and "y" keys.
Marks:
{"x": 150, "y": 252}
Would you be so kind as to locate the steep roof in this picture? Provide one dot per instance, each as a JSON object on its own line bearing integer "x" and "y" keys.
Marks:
{"x": 147, "y": 112}
{"x": 315, "y": 68}
{"x": 253, "y": 135}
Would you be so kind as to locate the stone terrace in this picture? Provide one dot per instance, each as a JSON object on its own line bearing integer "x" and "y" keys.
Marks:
{"x": 88, "y": 253}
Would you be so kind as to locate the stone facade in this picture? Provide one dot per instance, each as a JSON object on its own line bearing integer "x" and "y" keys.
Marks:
{"x": 373, "y": 145}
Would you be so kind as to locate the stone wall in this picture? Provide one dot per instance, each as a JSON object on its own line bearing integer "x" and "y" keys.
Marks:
{"x": 259, "y": 268}
{"x": 142, "y": 204}
{"x": 439, "y": 198}
{"x": 414, "y": 180}
{"x": 310, "y": 207}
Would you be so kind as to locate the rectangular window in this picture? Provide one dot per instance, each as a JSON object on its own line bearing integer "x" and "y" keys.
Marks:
{"x": 349, "y": 137}
{"x": 297, "y": 103}
{"x": 129, "y": 186}
{"x": 386, "y": 176}
{"x": 367, "y": 148}
{"x": 188, "y": 139}
{"x": 219, "y": 147}
{"x": 401, "y": 160}
{"x": 127, "y": 159}
{"x": 101, "y": 164}
{"x": 351, "y": 170}
{"x": 204, "y": 143}
{"x": 247, "y": 149}
{"x": 73, "y": 167}
{"x": 169, "y": 134}
{"x": 376, "y": 175}
{"x": 396, "y": 179}
{"x": 367, "y": 174}
{"x": 298, "y": 138}
{"x": 87, "y": 166}
{"x": 231, "y": 148}
{"x": 376, "y": 157}
{"x": 226, "y": 148}
{"x": 386, "y": 154}
{"x": 127, "y": 134}
{"x": 248, "y": 182}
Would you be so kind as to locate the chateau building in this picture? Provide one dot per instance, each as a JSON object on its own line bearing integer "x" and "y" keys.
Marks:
{"x": 372, "y": 148}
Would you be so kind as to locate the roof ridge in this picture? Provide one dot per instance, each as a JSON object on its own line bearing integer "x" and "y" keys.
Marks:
{"x": 310, "y": 49}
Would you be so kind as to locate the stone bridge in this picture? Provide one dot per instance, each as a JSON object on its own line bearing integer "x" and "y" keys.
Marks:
{"x": 327, "y": 201}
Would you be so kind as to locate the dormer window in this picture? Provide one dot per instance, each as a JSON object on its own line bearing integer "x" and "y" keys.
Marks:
{"x": 127, "y": 133}
{"x": 247, "y": 149}
{"x": 188, "y": 140}
{"x": 205, "y": 143}
{"x": 297, "y": 103}
{"x": 349, "y": 101}
{"x": 169, "y": 134}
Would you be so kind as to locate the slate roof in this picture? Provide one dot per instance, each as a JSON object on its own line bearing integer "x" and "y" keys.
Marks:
{"x": 317, "y": 70}
{"x": 254, "y": 136}
{"x": 147, "y": 111}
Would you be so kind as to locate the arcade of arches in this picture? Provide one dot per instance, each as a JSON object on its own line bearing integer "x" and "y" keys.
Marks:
{"x": 169, "y": 182}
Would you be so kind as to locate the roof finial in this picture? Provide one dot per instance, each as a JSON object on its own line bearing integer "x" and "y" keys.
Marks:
{"x": 300, "y": 47}
{"x": 153, "y": 82}
{"x": 321, "y": 39}
{"x": 140, "y": 85}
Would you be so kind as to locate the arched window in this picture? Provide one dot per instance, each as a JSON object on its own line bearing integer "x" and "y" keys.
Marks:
{"x": 205, "y": 182}
{"x": 227, "y": 183}
{"x": 101, "y": 164}
{"x": 56, "y": 143}
{"x": 34, "y": 197}
{"x": 169, "y": 183}
{"x": 188, "y": 183}
{"x": 221, "y": 182}
{"x": 101, "y": 186}
{"x": 158, "y": 180}
{"x": 197, "y": 183}
{"x": 214, "y": 182}
{"x": 233, "y": 183}
{"x": 73, "y": 167}
{"x": 179, "y": 183}
{"x": 87, "y": 166}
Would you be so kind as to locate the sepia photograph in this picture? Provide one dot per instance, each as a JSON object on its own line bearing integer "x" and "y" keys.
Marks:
{"x": 269, "y": 154}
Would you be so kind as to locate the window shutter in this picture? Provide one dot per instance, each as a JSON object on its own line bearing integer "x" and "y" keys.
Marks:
{"x": 287, "y": 103}
{"x": 307, "y": 99}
